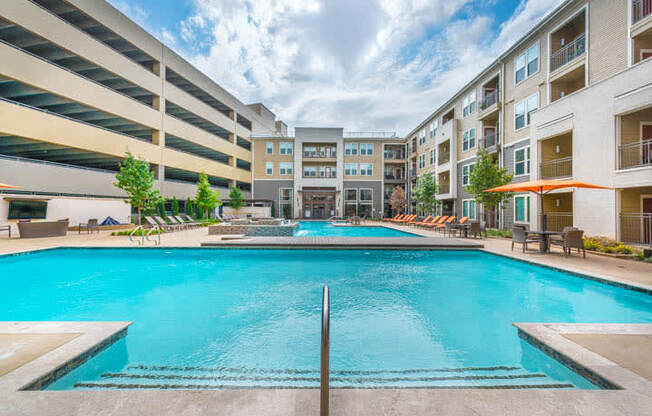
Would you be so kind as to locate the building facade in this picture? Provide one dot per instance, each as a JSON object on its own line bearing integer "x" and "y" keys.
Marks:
{"x": 570, "y": 100}
{"x": 80, "y": 85}
{"x": 326, "y": 172}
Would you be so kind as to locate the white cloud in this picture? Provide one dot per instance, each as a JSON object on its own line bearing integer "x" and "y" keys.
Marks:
{"x": 363, "y": 64}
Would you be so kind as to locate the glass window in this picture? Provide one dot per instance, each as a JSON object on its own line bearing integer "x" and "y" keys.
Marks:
{"x": 309, "y": 171}
{"x": 522, "y": 161}
{"x": 521, "y": 209}
{"x": 285, "y": 168}
{"x": 366, "y": 194}
{"x": 433, "y": 128}
{"x": 466, "y": 173}
{"x": 422, "y": 161}
{"x": 350, "y": 209}
{"x": 527, "y": 64}
{"x": 432, "y": 156}
{"x": 468, "y": 208}
{"x": 350, "y": 149}
{"x": 468, "y": 104}
{"x": 270, "y": 148}
{"x": 350, "y": 194}
{"x": 366, "y": 149}
{"x": 285, "y": 194}
{"x": 365, "y": 210}
{"x": 285, "y": 148}
{"x": 366, "y": 169}
{"x": 269, "y": 168}
{"x": 350, "y": 169}
{"x": 519, "y": 115}
{"x": 532, "y": 60}
{"x": 19, "y": 210}
{"x": 532, "y": 106}
{"x": 468, "y": 139}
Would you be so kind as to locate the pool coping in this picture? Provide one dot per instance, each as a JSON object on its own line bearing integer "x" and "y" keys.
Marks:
{"x": 549, "y": 337}
{"x": 94, "y": 336}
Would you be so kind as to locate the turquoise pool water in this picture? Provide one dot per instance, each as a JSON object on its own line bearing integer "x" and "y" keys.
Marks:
{"x": 326, "y": 229}
{"x": 210, "y": 318}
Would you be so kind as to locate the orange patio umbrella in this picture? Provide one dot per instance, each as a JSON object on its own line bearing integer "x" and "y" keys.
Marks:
{"x": 542, "y": 187}
{"x": 4, "y": 185}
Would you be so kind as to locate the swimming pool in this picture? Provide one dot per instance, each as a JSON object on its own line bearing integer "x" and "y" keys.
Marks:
{"x": 326, "y": 229}
{"x": 207, "y": 318}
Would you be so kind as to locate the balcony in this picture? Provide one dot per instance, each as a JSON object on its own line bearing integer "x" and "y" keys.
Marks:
{"x": 568, "y": 53}
{"x": 443, "y": 157}
{"x": 640, "y": 10}
{"x": 319, "y": 154}
{"x": 319, "y": 175}
{"x": 392, "y": 176}
{"x": 394, "y": 155}
{"x": 444, "y": 188}
{"x": 635, "y": 154}
{"x": 558, "y": 168}
{"x": 413, "y": 173}
{"x": 489, "y": 142}
{"x": 636, "y": 227}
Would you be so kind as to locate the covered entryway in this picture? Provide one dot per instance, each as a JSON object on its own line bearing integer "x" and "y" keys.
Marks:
{"x": 318, "y": 203}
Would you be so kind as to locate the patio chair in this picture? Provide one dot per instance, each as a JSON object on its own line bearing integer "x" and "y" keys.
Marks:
{"x": 475, "y": 228}
{"x": 571, "y": 239}
{"x": 91, "y": 225}
{"x": 6, "y": 227}
{"x": 450, "y": 227}
{"x": 519, "y": 236}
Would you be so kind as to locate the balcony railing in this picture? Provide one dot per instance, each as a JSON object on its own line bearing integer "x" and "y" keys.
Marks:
{"x": 319, "y": 155}
{"x": 568, "y": 52}
{"x": 319, "y": 175}
{"x": 636, "y": 227}
{"x": 444, "y": 188}
{"x": 635, "y": 154}
{"x": 489, "y": 100}
{"x": 641, "y": 9}
{"x": 558, "y": 168}
{"x": 413, "y": 173}
{"x": 393, "y": 176}
{"x": 557, "y": 221}
{"x": 444, "y": 158}
{"x": 488, "y": 140}
{"x": 394, "y": 155}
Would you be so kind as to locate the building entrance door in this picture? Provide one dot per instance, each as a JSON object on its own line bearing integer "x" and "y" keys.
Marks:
{"x": 318, "y": 204}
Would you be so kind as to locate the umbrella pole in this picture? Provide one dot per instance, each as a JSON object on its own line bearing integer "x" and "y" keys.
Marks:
{"x": 543, "y": 216}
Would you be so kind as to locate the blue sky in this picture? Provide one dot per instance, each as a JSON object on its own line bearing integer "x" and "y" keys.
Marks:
{"x": 363, "y": 65}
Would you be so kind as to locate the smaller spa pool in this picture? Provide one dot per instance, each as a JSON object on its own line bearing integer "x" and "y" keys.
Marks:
{"x": 326, "y": 229}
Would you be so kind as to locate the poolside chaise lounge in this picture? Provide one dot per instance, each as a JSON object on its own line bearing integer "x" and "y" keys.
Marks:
{"x": 426, "y": 222}
{"x": 399, "y": 217}
{"x": 175, "y": 221}
{"x": 152, "y": 222}
{"x": 454, "y": 227}
{"x": 445, "y": 224}
{"x": 188, "y": 223}
{"x": 171, "y": 223}
{"x": 417, "y": 221}
{"x": 406, "y": 219}
{"x": 434, "y": 224}
{"x": 395, "y": 217}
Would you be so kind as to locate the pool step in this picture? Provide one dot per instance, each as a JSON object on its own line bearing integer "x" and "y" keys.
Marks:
{"x": 192, "y": 377}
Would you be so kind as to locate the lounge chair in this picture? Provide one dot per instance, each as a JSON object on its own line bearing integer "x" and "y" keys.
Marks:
{"x": 571, "y": 239}
{"x": 519, "y": 236}
{"x": 175, "y": 221}
{"x": 390, "y": 219}
{"x": 188, "y": 218}
{"x": 434, "y": 224}
{"x": 152, "y": 222}
{"x": 169, "y": 223}
{"x": 406, "y": 219}
{"x": 432, "y": 220}
{"x": 446, "y": 224}
{"x": 91, "y": 225}
{"x": 417, "y": 221}
{"x": 188, "y": 223}
{"x": 400, "y": 217}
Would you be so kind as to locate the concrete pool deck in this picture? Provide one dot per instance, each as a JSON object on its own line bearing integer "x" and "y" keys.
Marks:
{"x": 604, "y": 344}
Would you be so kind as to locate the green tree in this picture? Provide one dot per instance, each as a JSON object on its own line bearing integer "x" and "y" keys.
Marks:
{"x": 161, "y": 208}
{"x": 206, "y": 200}
{"x": 426, "y": 192}
{"x": 136, "y": 179}
{"x": 398, "y": 201}
{"x": 235, "y": 198}
{"x": 175, "y": 206}
{"x": 188, "y": 207}
{"x": 487, "y": 174}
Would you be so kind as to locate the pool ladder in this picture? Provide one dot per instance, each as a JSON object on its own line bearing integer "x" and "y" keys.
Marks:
{"x": 325, "y": 352}
{"x": 145, "y": 235}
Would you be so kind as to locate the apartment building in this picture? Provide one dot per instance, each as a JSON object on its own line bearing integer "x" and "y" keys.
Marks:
{"x": 325, "y": 172}
{"x": 571, "y": 99}
{"x": 80, "y": 85}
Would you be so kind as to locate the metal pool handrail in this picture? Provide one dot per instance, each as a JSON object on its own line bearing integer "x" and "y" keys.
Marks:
{"x": 325, "y": 350}
{"x": 131, "y": 234}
